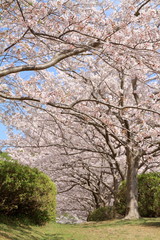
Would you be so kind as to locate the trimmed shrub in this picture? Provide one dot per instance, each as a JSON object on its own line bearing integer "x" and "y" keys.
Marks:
{"x": 157, "y": 201}
{"x": 102, "y": 214}
{"x": 27, "y": 192}
{"x": 121, "y": 200}
{"x": 148, "y": 195}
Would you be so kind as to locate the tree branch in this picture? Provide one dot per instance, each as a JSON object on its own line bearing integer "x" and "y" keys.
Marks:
{"x": 116, "y": 107}
{"x": 59, "y": 57}
{"x": 137, "y": 13}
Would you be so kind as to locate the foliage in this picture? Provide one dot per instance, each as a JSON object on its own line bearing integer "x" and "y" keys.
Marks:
{"x": 4, "y": 156}
{"x": 148, "y": 195}
{"x": 149, "y": 191}
{"x": 26, "y": 192}
{"x": 121, "y": 200}
{"x": 102, "y": 214}
{"x": 157, "y": 201}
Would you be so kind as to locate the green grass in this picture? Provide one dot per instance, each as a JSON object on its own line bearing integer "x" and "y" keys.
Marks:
{"x": 143, "y": 229}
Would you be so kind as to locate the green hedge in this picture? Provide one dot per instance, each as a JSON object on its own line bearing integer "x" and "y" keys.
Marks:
{"x": 101, "y": 214}
{"x": 27, "y": 192}
{"x": 148, "y": 195}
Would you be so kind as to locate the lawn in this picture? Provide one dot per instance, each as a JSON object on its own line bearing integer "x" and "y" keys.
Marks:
{"x": 143, "y": 229}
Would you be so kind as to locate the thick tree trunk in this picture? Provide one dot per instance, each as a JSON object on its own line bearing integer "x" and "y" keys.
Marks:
{"x": 132, "y": 187}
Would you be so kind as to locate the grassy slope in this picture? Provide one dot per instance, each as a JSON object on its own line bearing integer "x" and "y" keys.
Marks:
{"x": 144, "y": 229}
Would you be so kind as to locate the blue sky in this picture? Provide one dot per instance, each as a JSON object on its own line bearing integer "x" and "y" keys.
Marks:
{"x": 2, "y": 132}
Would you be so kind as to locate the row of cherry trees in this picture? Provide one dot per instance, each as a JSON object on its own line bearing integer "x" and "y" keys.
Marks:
{"x": 87, "y": 112}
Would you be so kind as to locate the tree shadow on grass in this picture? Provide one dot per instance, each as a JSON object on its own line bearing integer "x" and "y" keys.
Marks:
{"x": 19, "y": 236}
{"x": 19, "y": 232}
{"x": 53, "y": 237}
{"x": 142, "y": 222}
{"x": 14, "y": 222}
{"x": 151, "y": 224}
{"x": 108, "y": 223}
{"x": 16, "y": 229}
{"x": 5, "y": 235}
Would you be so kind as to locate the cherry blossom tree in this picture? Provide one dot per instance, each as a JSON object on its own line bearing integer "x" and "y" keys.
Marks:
{"x": 100, "y": 102}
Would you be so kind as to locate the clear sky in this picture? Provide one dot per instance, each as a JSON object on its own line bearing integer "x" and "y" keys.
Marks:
{"x": 2, "y": 131}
